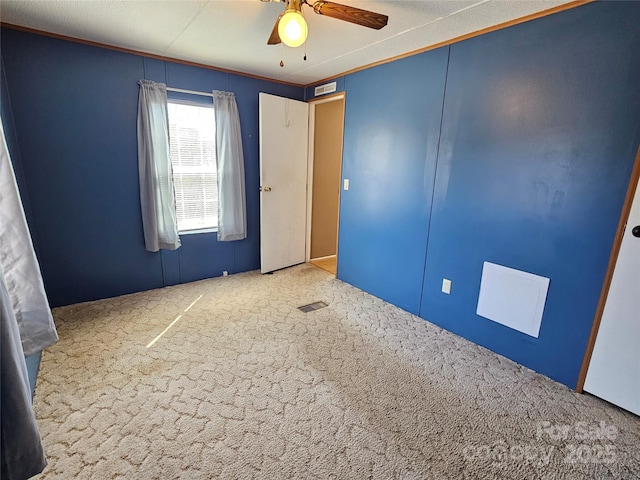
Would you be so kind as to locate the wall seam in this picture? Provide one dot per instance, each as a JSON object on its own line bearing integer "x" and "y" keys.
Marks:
{"x": 435, "y": 176}
{"x": 164, "y": 276}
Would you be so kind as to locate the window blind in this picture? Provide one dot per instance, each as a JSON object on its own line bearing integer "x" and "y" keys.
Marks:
{"x": 192, "y": 136}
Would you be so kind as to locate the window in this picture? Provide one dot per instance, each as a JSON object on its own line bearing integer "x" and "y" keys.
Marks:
{"x": 192, "y": 138}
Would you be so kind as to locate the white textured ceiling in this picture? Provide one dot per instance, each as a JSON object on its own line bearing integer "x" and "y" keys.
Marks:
{"x": 233, "y": 34}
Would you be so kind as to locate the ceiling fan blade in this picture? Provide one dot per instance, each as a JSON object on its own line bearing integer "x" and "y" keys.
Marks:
{"x": 350, "y": 14}
{"x": 274, "y": 39}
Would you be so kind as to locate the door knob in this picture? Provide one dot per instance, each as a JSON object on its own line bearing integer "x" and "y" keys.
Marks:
{"x": 265, "y": 189}
{"x": 636, "y": 231}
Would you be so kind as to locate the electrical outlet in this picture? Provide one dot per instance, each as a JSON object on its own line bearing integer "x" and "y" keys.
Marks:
{"x": 446, "y": 286}
{"x": 225, "y": 273}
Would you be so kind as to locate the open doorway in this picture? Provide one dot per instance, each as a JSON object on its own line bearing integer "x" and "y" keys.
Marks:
{"x": 326, "y": 129}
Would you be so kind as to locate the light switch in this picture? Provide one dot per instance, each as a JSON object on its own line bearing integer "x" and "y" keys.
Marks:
{"x": 346, "y": 184}
{"x": 446, "y": 286}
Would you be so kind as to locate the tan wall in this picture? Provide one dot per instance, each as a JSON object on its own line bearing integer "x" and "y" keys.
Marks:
{"x": 327, "y": 165}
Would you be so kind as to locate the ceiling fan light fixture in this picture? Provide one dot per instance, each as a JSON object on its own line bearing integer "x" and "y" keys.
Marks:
{"x": 292, "y": 28}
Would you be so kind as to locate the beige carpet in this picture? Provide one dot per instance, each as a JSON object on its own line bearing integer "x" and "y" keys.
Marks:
{"x": 246, "y": 386}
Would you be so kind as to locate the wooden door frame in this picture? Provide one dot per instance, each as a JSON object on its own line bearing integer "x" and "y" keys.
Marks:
{"x": 312, "y": 130}
{"x": 615, "y": 251}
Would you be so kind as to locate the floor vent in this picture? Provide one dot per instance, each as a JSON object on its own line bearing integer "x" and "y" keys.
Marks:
{"x": 312, "y": 306}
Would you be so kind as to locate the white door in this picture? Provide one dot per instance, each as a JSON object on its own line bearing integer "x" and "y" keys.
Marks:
{"x": 284, "y": 132}
{"x": 614, "y": 370}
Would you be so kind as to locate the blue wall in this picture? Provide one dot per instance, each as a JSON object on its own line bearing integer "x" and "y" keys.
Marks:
{"x": 392, "y": 125}
{"x": 74, "y": 107}
{"x": 540, "y": 129}
{"x": 529, "y": 169}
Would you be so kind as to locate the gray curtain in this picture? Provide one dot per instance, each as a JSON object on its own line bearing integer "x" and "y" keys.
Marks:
{"x": 22, "y": 454}
{"x": 26, "y": 326}
{"x": 232, "y": 210}
{"x": 157, "y": 198}
{"x": 18, "y": 260}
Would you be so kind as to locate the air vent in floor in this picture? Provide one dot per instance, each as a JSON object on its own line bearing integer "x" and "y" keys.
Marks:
{"x": 312, "y": 306}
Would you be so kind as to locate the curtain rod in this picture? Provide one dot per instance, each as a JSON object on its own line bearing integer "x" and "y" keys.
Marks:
{"x": 192, "y": 92}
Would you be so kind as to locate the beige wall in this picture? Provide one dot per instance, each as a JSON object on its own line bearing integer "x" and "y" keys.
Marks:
{"x": 327, "y": 165}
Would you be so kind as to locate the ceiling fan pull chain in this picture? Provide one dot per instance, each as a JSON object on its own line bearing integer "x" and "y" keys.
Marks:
{"x": 305, "y": 43}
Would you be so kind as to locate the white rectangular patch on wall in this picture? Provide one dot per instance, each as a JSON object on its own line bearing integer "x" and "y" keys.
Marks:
{"x": 512, "y": 298}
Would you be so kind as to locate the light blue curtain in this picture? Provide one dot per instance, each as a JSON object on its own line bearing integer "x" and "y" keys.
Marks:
{"x": 232, "y": 210}
{"x": 157, "y": 198}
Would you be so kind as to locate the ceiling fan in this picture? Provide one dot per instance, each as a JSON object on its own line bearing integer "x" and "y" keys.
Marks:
{"x": 291, "y": 27}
